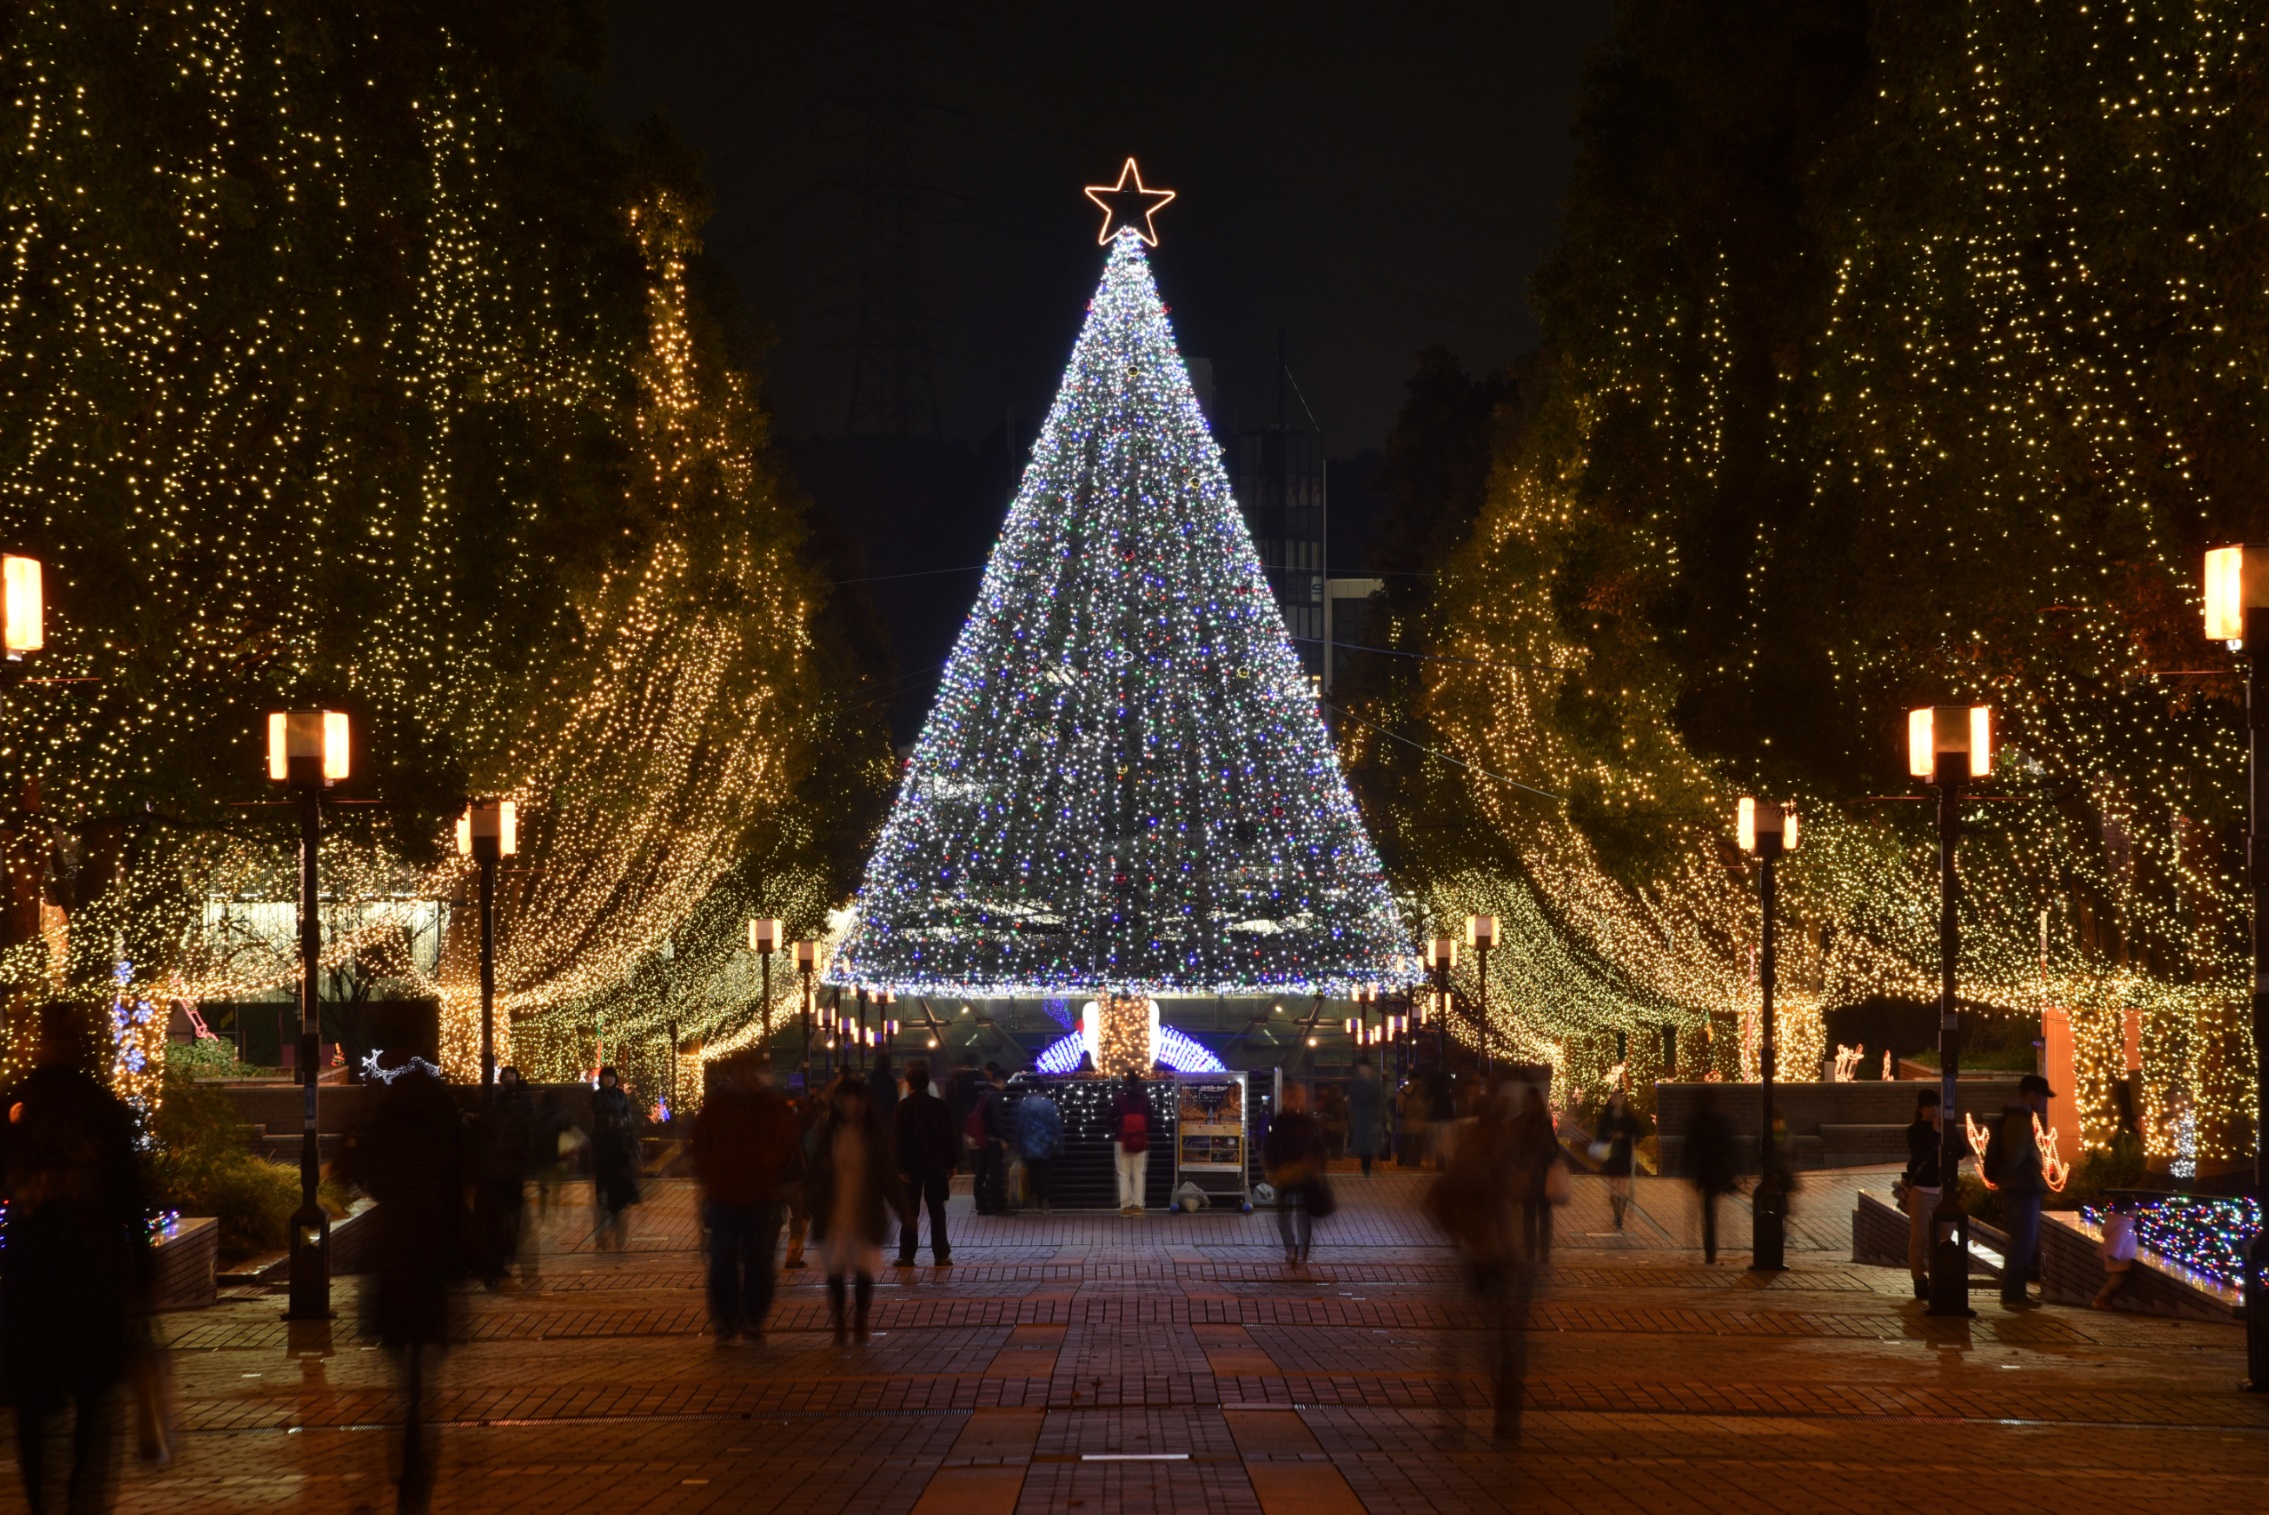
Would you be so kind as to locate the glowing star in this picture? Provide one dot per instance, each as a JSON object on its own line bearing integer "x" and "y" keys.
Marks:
{"x": 1124, "y": 207}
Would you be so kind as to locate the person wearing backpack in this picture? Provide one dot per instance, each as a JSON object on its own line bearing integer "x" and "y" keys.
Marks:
{"x": 1130, "y": 1141}
{"x": 1040, "y": 1137}
{"x": 2015, "y": 1160}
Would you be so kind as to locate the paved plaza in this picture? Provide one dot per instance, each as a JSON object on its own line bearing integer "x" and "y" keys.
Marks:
{"x": 1101, "y": 1364}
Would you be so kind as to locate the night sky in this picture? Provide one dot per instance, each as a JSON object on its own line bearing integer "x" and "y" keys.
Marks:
{"x": 1369, "y": 181}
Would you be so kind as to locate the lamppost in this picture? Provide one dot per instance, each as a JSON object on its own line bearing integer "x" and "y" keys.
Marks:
{"x": 764, "y": 939}
{"x": 1442, "y": 956}
{"x": 23, "y": 620}
{"x": 1481, "y": 933}
{"x": 1767, "y": 830}
{"x": 488, "y": 833}
{"x": 807, "y": 959}
{"x": 1949, "y": 745}
{"x": 2237, "y": 612}
{"x": 307, "y": 751}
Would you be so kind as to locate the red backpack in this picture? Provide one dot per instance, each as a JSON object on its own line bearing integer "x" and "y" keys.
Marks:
{"x": 1134, "y": 1131}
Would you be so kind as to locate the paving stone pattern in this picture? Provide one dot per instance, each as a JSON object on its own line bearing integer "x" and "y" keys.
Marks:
{"x": 1094, "y": 1363}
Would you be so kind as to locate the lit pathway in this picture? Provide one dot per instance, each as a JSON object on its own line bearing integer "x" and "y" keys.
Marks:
{"x": 1095, "y": 1364}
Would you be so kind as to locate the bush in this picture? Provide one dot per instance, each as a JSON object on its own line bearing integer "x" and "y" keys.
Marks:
{"x": 201, "y": 1167}
{"x": 206, "y": 1057}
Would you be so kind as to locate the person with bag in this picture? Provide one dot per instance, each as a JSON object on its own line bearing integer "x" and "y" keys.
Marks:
{"x": 1920, "y": 1187}
{"x": 742, "y": 1144}
{"x": 1615, "y": 1147}
{"x": 1040, "y": 1137}
{"x": 1537, "y": 1162}
{"x": 1293, "y": 1156}
{"x": 75, "y": 1274}
{"x": 927, "y": 1148}
{"x": 1130, "y": 1141}
{"x": 2014, "y": 1156}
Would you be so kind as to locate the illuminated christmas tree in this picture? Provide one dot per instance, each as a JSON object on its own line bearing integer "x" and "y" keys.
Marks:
{"x": 1125, "y": 783}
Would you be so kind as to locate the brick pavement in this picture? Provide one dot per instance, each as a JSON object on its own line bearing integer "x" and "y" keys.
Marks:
{"x": 1094, "y": 1363}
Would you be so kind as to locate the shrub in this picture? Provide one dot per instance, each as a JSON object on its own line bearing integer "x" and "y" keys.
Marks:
{"x": 200, "y": 1167}
{"x": 206, "y": 1057}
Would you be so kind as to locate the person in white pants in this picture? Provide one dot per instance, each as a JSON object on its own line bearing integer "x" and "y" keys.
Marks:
{"x": 1130, "y": 1142}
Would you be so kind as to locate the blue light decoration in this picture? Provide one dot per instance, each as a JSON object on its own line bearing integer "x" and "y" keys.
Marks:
{"x": 1173, "y": 1049}
{"x": 2207, "y": 1236}
{"x": 1125, "y": 783}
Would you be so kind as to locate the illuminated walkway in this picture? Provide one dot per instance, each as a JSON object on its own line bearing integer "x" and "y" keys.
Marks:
{"x": 1096, "y": 1364}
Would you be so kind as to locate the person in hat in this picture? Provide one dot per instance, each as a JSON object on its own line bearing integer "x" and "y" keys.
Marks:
{"x": 2014, "y": 1156}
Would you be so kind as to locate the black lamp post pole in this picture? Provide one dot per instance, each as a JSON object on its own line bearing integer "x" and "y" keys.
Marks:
{"x": 311, "y": 1227}
{"x": 2257, "y": 879}
{"x": 805, "y": 969}
{"x": 485, "y": 850}
{"x": 1488, "y": 1058}
{"x": 1949, "y": 1256}
{"x": 1768, "y": 1234}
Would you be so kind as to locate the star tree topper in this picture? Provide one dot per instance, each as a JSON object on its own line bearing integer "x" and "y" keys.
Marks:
{"x": 1125, "y": 208}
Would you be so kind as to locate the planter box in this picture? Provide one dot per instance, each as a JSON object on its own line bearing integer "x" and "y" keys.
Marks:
{"x": 2072, "y": 1270}
{"x": 1879, "y": 1239}
{"x": 182, "y": 1265}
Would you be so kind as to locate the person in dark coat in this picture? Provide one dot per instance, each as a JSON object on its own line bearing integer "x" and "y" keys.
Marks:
{"x": 1619, "y": 1127}
{"x": 1924, "y": 1147}
{"x": 1535, "y": 1149}
{"x": 882, "y": 1093}
{"x": 1473, "y": 1202}
{"x": 410, "y": 1156}
{"x": 2014, "y": 1155}
{"x": 1709, "y": 1165}
{"x": 74, "y": 1274}
{"x": 1293, "y": 1156}
{"x": 1039, "y": 1139}
{"x": 990, "y": 1191}
{"x": 1366, "y": 1102}
{"x": 743, "y": 1140}
{"x": 852, "y": 1194}
{"x": 928, "y": 1146}
{"x": 614, "y": 1158}
{"x": 500, "y": 1200}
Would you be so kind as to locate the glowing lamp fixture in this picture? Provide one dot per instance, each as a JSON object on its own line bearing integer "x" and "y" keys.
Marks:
{"x": 807, "y": 956}
{"x": 765, "y": 935}
{"x": 488, "y": 828}
{"x": 307, "y": 747}
{"x": 26, "y": 607}
{"x": 1950, "y": 732}
{"x": 1763, "y": 823}
{"x": 1442, "y": 955}
{"x": 2234, "y": 585}
{"x": 1481, "y": 930}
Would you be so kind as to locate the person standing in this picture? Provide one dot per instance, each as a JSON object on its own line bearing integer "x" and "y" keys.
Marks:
{"x": 852, "y": 1194}
{"x": 1366, "y": 1102}
{"x": 1535, "y": 1151}
{"x": 927, "y": 1145}
{"x": 1130, "y": 1141}
{"x": 2014, "y": 1155}
{"x": 614, "y": 1158}
{"x": 989, "y": 1135}
{"x": 1293, "y": 1156}
{"x": 410, "y": 1157}
{"x": 882, "y": 1093}
{"x": 1922, "y": 1185}
{"x": 742, "y": 1139}
{"x": 807, "y": 1108}
{"x": 1410, "y": 1135}
{"x": 75, "y": 1272}
{"x": 1040, "y": 1137}
{"x": 1709, "y": 1164}
{"x": 1619, "y": 1128}
{"x": 500, "y": 1197}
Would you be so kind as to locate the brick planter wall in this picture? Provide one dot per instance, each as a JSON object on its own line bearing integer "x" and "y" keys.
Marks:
{"x": 2072, "y": 1270}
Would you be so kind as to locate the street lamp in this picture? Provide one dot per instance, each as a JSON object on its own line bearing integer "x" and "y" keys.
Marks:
{"x": 1949, "y": 745}
{"x": 1767, "y": 830}
{"x": 23, "y": 624}
{"x": 2237, "y": 612}
{"x": 307, "y": 750}
{"x": 1442, "y": 956}
{"x": 764, "y": 936}
{"x": 488, "y": 832}
{"x": 807, "y": 960}
{"x": 1481, "y": 933}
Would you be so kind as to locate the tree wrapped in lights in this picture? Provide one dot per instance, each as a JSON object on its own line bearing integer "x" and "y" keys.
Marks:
{"x": 1125, "y": 782}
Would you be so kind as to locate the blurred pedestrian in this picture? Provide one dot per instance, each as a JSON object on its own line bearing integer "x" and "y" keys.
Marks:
{"x": 1366, "y": 1102}
{"x": 74, "y": 1274}
{"x": 1410, "y": 1135}
{"x": 1473, "y": 1202}
{"x": 988, "y": 1134}
{"x": 2119, "y": 1252}
{"x": 809, "y": 1107}
{"x": 614, "y": 1158}
{"x": 1040, "y": 1137}
{"x": 1710, "y": 1164}
{"x": 410, "y": 1157}
{"x": 1535, "y": 1150}
{"x": 1332, "y": 1119}
{"x": 1130, "y": 1144}
{"x": 1293, "y": 1157}
{"x": 1920, "y": 1197}
{"x": 743, "y": 1140}
{"x": 852, "y": 1194}
{"x": 500, "y": 1198}
{"x": 1619, "y": 1129}
{"x": 554, "y": 1147}
{"x": 882, "y": 1093}
{"x": 2013, "y": 1155}
{"x": 927, "y": 1146}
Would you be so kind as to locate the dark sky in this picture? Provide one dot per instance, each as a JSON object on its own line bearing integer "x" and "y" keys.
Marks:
{"x": 1373, "y": 179}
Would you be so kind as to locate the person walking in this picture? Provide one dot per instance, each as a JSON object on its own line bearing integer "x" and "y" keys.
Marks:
{"x": 500, "y": 1193}
{"x": 852, "y": 1194}
{"x": 2014, "y": 1156}
{"x": 807, "y": 1108}
{"x": 1473, "y": 1202}
{"x": 1293, "y": 1157}
{"x": 410, "y": 1156}
{"x": 882, "y": 1093}
{"x": 988, "y": 1132}
{"x": 1709, "y": 1164}
{"x": 74, "y": 1275}
{"x": 742, "y": 1141}
{"x": 927, "y": 1145}
{"x": 1366, "y": 1103}
{"x": 1535, "y": 1153}
{"x": 1130, "y": 1143}
{"x": 1619, "y": 1128}
{"x": 1040, "y": 1137}
{"x": 1410, "y": 1133}
{"x": 614, "y": 1158}
{"x": 1920, "y": 1198}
